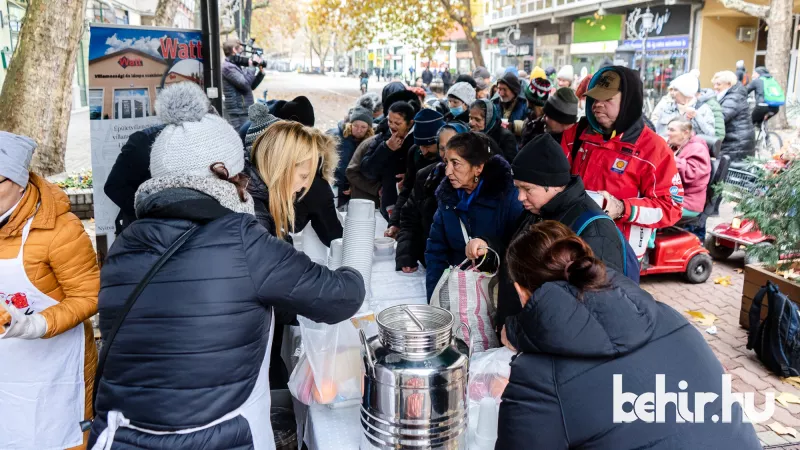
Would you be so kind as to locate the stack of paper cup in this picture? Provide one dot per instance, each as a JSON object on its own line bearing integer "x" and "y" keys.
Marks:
{"x": 486, "y": 431}
{"x": 358, "y": 240}
{"x": 335, "y": 255}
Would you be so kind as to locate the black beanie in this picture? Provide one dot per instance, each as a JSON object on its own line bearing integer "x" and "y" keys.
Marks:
{"x": 297, "y": 110}
{"x": 511, "y": 80}
{"x": 542, "y": 162}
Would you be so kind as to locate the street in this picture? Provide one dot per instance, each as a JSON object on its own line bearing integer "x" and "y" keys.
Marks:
{"x": 332, "y": 97}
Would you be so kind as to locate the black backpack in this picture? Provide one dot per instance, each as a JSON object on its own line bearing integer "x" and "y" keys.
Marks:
{"x": 776, "y": 340}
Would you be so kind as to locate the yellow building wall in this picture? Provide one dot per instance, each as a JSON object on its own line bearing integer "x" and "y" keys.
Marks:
{"x": 719, "y": 49}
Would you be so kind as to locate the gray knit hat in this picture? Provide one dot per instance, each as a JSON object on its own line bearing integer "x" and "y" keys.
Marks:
{"x": 15, "y": 156}
{"x": 562, "y": 106}
{"x": 193, "y": 139}
{"x": 463, "y": 91}
{"x": 260, "y": 120}
{"x": 361, "y": 114}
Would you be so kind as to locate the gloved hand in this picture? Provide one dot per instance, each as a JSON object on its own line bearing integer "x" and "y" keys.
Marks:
{"x": 32, "y": 326}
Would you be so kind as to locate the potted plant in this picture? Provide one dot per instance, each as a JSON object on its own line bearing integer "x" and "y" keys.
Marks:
{"x": 772, "y": 202}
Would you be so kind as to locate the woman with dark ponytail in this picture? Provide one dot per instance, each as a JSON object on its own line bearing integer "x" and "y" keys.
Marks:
{"x": 590, "y": 342}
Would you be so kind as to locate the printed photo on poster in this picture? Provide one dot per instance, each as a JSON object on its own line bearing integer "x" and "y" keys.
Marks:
{"x": 128, "y": 67}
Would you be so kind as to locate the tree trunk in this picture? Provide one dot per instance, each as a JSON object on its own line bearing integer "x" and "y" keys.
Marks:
{"x": 248, "y": 14}
{"x": 779, "y": 46}
{"x": 36, "y": 98}
{"x": 165, "y": 13}
{"x": 474, "y": 43}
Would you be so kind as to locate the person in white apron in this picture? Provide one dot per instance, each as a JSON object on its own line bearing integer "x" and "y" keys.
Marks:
{"x": 188, "y": 367}
{"x": 47, "y": 266}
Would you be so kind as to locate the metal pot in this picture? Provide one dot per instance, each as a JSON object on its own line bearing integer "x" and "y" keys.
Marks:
{"x": 415, "y": 386}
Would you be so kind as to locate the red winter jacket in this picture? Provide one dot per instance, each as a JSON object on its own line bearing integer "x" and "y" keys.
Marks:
{"x": 636, "y": 167}
{"x": 694, "y": 165}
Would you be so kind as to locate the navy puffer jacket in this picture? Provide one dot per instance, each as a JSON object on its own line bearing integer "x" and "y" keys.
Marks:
{"x": 561, "y": 391}
{"x": 190, "y": 350}
{"x": 492, "y": 214}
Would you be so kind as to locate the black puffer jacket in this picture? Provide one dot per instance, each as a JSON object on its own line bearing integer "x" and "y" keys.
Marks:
{"x": 191, "y": 349}
{"x": 416, "y": 217}
{"x": 130, "y": 170}
{"x": 415, "y": 161}
{"x": 566, "y": 207}
{"x": 505, "y": 141}
{"x": 237, "y": 86}
{"x": 561, "y": 393}
{"x": 739, "y": 140}
{"x": 382, "y": 164}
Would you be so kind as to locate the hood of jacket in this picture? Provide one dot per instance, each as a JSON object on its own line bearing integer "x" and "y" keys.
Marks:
{"x": 51, "y": 200}
{"x": 558, "y": 320}
{"x": 762, "y": 71}
{"x": 630, "y": 109}
{"x": 706, "y": 95}
{"x": 497, "y": 183}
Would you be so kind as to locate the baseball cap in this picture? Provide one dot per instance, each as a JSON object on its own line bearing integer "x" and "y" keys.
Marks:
{"x": 606, "y": 86}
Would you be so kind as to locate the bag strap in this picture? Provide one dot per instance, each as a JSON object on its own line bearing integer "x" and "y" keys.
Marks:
{"x": 755, "y": 314}
{"x": 584, "y": 220}
{"x": 576, "y": 145}
{"x": 134, "y": 295}
{"x": 464, "y": 232}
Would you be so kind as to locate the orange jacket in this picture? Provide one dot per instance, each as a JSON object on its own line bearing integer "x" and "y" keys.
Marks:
{"x": 60, "y": 262}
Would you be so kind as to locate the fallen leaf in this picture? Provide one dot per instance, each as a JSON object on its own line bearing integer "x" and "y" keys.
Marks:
{"x": 786, "y": 397}
{"x": 705, "y": 319}
{"x": 780, "y": 429}
{"x": 794, "y": 381}
{"x": 723, "y": 281}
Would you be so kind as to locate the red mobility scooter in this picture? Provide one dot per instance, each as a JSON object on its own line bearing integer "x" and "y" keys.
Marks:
{"x": 679, "y": 249}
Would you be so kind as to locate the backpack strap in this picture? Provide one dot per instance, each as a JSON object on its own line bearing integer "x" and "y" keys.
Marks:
{"x": 754, "y": 315}
{"x": 585, "y": 219}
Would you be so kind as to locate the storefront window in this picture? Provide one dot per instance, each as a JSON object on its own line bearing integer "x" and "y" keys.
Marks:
{"x": 95, "y": 104}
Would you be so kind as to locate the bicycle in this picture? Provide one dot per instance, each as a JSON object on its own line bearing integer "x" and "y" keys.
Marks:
{"x": 649, "y": 102}
{"x": 767, "y": 142}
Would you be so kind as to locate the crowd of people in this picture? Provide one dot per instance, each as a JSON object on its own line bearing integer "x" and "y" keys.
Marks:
{"x": 202, "y": 274}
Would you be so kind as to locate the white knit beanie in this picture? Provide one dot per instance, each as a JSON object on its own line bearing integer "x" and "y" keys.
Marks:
{"x": 566, "y": 73}
{"x": 463, "y": 91}
{"x": 193, "y": 139}
{"x": 687, "y": 84}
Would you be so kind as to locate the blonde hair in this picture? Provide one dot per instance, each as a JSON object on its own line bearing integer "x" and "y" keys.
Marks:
{"x": 348, "y": 131}
{"x": 276, "y": 155}
{"x": 726, "y": 76}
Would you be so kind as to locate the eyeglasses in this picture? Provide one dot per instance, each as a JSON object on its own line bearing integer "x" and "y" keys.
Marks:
{"x": 4, "y": 180}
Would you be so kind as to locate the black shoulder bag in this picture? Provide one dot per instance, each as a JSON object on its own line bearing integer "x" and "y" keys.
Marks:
{"x": 134, "y": 295}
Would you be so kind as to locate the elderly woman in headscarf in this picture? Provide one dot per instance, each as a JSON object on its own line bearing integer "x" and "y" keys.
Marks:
{"x": 48, "y": 291}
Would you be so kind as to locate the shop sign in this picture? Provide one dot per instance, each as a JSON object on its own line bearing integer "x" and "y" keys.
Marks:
{"x": 667, "y": 21}
{"x": 597, "y": 29}
{"x": 661, "y": 43}
{"x": 594, "y": 48}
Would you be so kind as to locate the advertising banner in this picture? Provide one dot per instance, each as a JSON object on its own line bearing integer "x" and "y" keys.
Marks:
{"x": 128, "y": 66}
{"x": 661, "y": 43}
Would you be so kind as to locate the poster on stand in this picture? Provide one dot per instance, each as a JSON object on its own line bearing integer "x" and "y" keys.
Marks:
{"x": 128, "y": 67}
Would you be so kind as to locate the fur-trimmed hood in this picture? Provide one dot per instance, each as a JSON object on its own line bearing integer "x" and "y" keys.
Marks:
{"x": 498, "y": 181}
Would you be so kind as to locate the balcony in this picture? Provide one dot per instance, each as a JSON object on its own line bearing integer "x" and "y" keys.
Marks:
{"x": 535, "y": 10}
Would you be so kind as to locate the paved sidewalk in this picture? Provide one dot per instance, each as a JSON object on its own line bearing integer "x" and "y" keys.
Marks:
{"x": 729, "y": 344}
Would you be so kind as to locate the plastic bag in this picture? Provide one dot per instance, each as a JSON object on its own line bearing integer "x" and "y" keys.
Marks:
{"x": 488, "y": 374}
{"x": 331, "y": 369}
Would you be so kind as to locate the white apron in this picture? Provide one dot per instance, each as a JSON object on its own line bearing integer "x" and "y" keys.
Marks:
{"x": 255, "y": 410}
{"x": 42, "y": 395}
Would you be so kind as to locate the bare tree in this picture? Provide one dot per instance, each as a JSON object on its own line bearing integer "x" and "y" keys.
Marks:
{"x": 36, "y": 98}
{"x": 460, "y": 11}
{"x": 778, "y": 16}
{"x": 165, "y": 13}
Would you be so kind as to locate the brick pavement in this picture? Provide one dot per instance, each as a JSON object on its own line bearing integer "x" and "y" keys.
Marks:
{"x": 729, "y": 344}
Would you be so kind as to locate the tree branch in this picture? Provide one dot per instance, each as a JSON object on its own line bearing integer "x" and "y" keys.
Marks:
{"x": 755, "y": 10}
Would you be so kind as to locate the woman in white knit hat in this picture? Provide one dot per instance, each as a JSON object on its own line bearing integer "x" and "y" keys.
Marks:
{"x": 459, "y": 97}
{"x": 684, "y": 92}
{"x": 188, "y": 368}
{"x": 565, "y": 77}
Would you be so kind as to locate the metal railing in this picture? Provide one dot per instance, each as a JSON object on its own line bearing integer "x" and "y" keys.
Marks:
{"x": 528, "y": 8}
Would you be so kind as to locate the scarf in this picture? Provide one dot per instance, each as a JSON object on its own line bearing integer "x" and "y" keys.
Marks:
{"x": 465, "y": 199}
{"x": 222, "y": 191}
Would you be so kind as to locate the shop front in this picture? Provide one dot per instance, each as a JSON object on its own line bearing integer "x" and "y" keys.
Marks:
{"x": 667, "y": 44}
{"x": 595, "y": 38}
